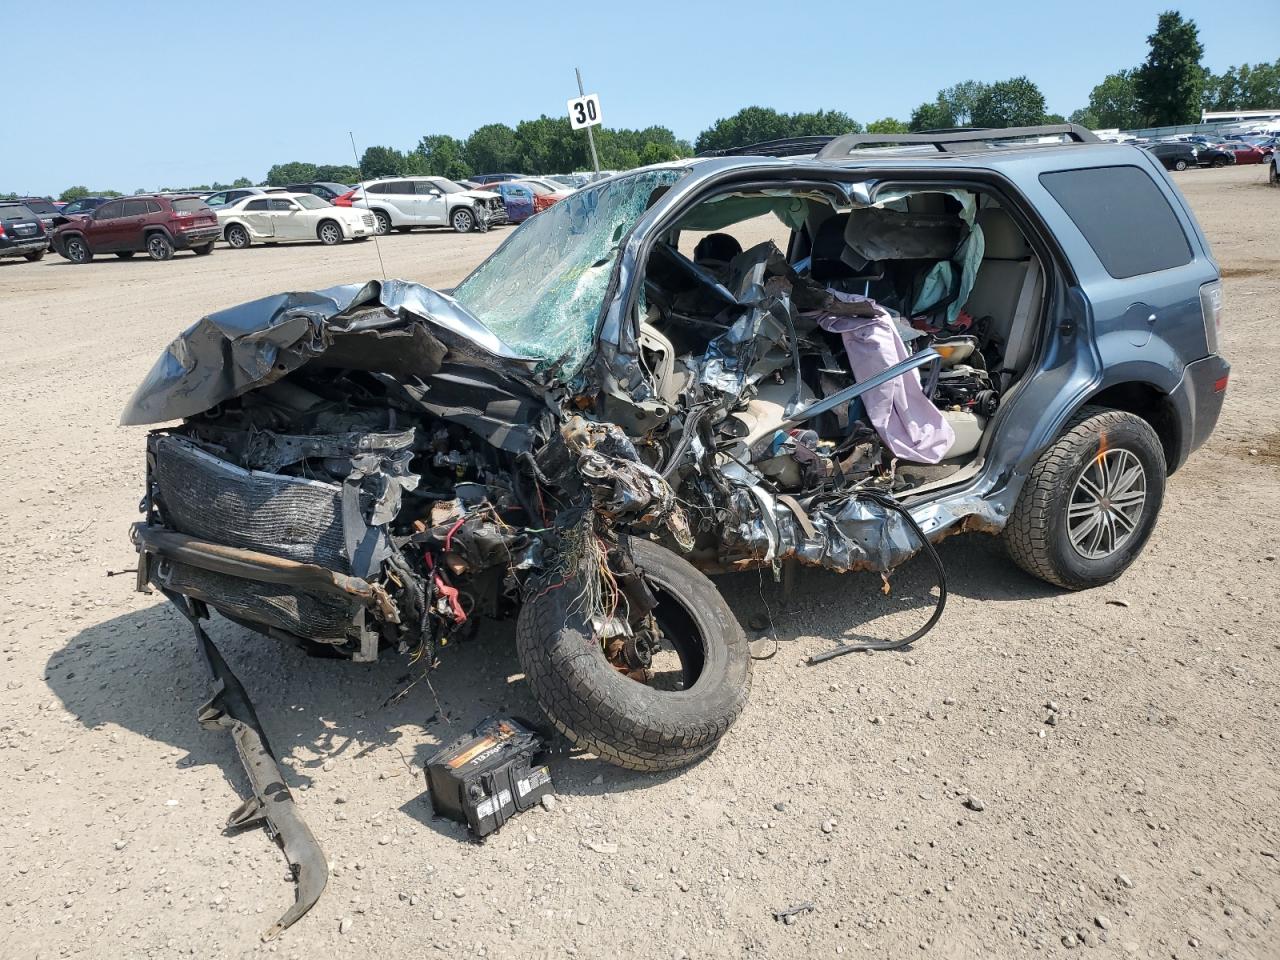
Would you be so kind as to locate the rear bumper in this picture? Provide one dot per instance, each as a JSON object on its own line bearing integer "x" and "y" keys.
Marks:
{"x": 186, "y": 239}
{"x": 21, "y": 247}
{"x": 1198, "y": 399}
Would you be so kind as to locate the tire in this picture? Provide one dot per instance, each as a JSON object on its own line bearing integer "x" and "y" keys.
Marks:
{"x": 77, "y": 250}
{"x": 34, "y": 256}
{"x": 237, "y": 237}
{"x": 361, "y": 239}
{"x": 1054, "y": 505}
{"x": 329, "y": 233}
{"x": 1220, "y": 162}
{"x": 462, "y": 220}
{"x": 159, "y": 247}
{"x": 403, "y": 229}
{"x": 381, "y": 222}
{"x": 125, "y": 254}
{"x": 204, "y": 249}
{"x": 624, "y": 721}
{"x": 1180, "y": 165}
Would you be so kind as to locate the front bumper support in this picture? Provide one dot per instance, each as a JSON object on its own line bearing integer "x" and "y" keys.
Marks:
{"x": 272, "y": 803}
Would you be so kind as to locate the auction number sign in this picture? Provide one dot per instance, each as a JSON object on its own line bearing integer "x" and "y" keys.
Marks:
{"x": 584, "y": 111}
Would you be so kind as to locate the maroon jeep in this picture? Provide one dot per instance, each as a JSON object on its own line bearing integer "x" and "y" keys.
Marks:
{"x": 157, "y": 224}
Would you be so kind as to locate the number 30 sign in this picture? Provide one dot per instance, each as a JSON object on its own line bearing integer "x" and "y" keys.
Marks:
{"x": 584, "y": 111}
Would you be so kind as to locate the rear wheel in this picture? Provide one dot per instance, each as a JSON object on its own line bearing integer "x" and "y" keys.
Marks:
{"x": 34, "y": 255}
{"x": 463, "y": 220}
{"x": 159, "y": 247}
{"x": 1220, "y": 162}
{"x": 661, "y": 697}
{"x": 237, "y": 237}
{"x": 1180, "y": 165}
{"x": 381, "y": 222}
{"x": 78, "y": 250}
{"x": 125, "y": 254}
{"x": 1090, "y": 502}
{"x": 329, "y": 233}
{"x": 204, "y": 249}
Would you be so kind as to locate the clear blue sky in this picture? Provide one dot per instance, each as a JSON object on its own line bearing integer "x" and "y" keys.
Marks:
{"x": 151, "y": 93}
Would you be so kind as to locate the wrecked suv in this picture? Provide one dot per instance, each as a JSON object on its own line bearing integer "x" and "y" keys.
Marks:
{"x": 828, "y": 352}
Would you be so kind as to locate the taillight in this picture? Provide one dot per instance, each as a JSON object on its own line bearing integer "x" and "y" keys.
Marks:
{"x": 344, "y": 200}
{"x": 1, "y": 229}
{"x": 1211, "y": 311}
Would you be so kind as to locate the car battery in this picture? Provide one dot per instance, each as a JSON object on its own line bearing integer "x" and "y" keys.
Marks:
{"x": 489, "y": 775}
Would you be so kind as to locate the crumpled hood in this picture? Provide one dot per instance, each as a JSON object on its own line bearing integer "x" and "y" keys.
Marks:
{"x": 390, "y": 326}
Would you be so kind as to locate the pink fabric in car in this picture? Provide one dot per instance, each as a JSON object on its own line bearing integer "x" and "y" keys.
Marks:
{"x": 907, "y": 421}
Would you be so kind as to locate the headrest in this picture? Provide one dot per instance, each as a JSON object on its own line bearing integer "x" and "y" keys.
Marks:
{"x": 716, "y": 248}
{"x": 829, "y": 249}
{"x": 1004, "y": 241}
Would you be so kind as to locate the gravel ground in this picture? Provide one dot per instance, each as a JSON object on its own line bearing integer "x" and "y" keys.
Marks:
{"x": 1045, "y": 771}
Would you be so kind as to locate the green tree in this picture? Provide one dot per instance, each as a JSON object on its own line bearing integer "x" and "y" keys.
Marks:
{"x": 294, "y": 172}
{"x": 937, "y": 115}
{"x": 1114, "y": 102}
{"x": 1086, "y": 118}
{"x": 1246, "y": 87}
{"x": 887, "y": 125}
{"x": 337, "y": 172}
{"x": 74, "y": 193}
{"x": 1169, "y": 84}
{"x": 242, "y": 182}
{"x": 952, "y": 107}
{"x": 550, "y": 145}
{"x": 1009, "y": 103}
{"x": 491, "y": 149}
{"x": 757, "y": 124}
{"x": 381, "y": 162}
{"x": 441, "y": 155}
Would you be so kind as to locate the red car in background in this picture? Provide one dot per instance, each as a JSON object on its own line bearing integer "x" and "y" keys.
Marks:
{"x": 1244, "y": 152}
{"x": 545, "y": 192}
{"x": 156, "y": 224}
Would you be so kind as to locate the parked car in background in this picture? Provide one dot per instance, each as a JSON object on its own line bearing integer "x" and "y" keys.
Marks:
{"x": 485, "y": 178}
{"x": 1212, "y": 155}
{"x": 22, "y": 233}
{"x": 517, "y": 198}
{"x": 43, "y": 208}
{"x": 544, "y": 193}
{"x": 283, "y": 217}
{"x": 1275, "y": 168}
{"x": 82, "y": 206}
{"x": 571, "y": 180}
{"x": 324, "y": 189}
{"x": 402, "y": 203}
{"x": 224, "y": 197}
{"x": 1175, "y": 155}
{"x": 1243, "y": 151}
{"x": 156, "y": 224}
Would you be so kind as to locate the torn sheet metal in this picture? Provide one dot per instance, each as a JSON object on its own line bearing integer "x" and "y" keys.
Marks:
{"x": 390, "y": 326}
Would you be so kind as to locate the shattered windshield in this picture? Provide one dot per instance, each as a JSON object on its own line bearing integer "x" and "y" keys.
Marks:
{"x": 541, "y": 291}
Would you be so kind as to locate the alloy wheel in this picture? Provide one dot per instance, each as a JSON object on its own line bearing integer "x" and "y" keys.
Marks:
{"x": 1106, "y": 504}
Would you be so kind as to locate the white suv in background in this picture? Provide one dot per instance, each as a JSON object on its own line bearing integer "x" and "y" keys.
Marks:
{"x": 402, "y": 203}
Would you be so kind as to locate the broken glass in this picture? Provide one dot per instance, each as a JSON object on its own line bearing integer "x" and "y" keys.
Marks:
{"x": 543, "y": 289}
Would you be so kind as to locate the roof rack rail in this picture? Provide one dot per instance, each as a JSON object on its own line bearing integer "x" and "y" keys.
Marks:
{"x": 953, "y": 141}
{"x": 788, "y": 147}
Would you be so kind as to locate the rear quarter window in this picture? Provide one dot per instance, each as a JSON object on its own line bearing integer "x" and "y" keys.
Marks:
{"x": 1124, "y": 217}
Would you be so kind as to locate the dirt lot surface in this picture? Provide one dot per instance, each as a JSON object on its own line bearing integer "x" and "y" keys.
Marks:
{"x": 1122, "y": 742}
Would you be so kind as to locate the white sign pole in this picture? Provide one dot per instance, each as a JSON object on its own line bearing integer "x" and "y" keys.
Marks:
{"x": 591, "y": 140}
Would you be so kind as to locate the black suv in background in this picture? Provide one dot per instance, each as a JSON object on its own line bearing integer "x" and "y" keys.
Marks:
{"x": 1176, "y": 155}
{"x": 22, "y": 234}
{"x": 83, "y": 206}
{"x": 324, "y": 189}
{"x": 43, "y": 208}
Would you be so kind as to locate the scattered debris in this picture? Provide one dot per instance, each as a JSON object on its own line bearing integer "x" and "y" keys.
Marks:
{"x": 789, "y": 914}
{"x": 974, "y": 803}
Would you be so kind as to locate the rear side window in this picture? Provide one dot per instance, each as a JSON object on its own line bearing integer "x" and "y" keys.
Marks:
{"x": 135, "y": 208}
{"x": 1124, "y": 216}
{"x": 256, "y": 205}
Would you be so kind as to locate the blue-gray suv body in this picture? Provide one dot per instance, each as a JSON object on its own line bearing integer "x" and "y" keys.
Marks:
{"x": 832, "y": 351}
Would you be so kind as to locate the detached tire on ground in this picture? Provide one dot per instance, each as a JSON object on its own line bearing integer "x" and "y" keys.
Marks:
{"x": 1091, "y": 501}
{"x": 624, "y": 721}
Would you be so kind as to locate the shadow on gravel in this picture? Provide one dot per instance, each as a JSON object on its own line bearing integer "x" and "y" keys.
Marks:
{"x": 141, "y": 671}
